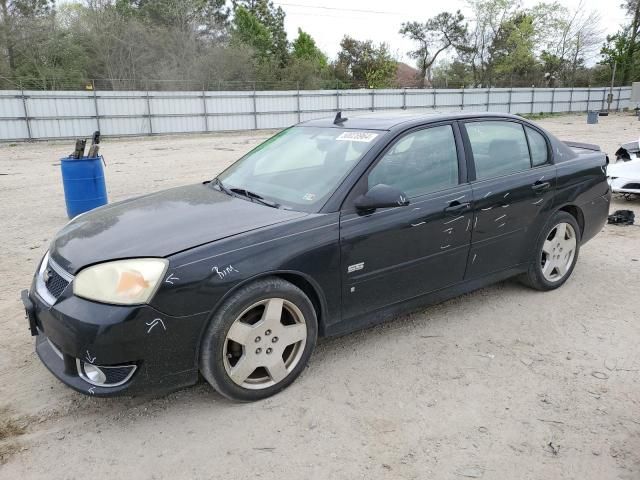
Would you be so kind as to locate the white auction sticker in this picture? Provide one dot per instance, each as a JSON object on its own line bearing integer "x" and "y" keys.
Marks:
{"x": 365, "y": 137}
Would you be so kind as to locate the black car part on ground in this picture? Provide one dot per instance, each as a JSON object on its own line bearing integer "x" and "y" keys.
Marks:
{"x": 621, "y": 217}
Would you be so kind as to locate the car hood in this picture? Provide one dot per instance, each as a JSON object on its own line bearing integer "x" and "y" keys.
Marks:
{"x": 158, "y": 225}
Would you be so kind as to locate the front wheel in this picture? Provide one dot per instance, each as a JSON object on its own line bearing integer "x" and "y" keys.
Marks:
{"x": 259, "y": 340}
{"x": 556, "y": 253}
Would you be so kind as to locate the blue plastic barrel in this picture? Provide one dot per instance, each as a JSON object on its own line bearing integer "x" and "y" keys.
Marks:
{"x": 592, "y": 117}
{"x": 84, "y": 185}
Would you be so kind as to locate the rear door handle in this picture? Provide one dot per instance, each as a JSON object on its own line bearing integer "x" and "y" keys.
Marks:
{"x": 540, "y": 186}
{"x": 456, "y": 207}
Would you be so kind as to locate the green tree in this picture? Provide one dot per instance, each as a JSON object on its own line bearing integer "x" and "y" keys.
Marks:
{"x": 512, "y": 51}
{"x": 631, "y": 42}
{"x": 434, "y": 37}
{"x": 272, "y": 18}
{"x": 13, "y": 15}
{"x": 363, "y": 62}
{"x": 304, "y": 47}
{"x": 207, "y": 17}
{"x": 248, "y": 30}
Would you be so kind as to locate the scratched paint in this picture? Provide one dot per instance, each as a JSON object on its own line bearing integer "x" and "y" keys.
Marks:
{"x": 456, "y": 199}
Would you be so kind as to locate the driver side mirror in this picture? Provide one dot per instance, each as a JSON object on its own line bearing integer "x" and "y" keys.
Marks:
{"x": 381, "y": 196}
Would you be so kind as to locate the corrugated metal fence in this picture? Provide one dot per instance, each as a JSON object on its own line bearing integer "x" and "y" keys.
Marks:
{"x": 26, "y": 115}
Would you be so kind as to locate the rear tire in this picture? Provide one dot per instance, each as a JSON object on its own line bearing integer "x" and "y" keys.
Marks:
{"x": 259, "y": 340}
{"x": 556, "y": 253}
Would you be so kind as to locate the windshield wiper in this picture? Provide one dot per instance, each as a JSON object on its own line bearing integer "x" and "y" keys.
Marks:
{"x": 254, "y": 196}
{"x": 218, "y": 182}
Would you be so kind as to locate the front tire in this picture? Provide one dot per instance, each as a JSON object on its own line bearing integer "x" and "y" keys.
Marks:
{"x": 556, "y": 253}
{"x": 259, "y": 340}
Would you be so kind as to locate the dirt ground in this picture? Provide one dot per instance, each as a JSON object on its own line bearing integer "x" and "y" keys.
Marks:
{"x": 503, "y": 383}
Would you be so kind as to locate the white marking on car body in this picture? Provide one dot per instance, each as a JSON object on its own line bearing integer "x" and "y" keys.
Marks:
{"x": 454, "y": 220}
{"x": 155, "y": 322}
{"x": 225, "y": 271}
{"x": 499, "y": 218}
{"x": 89, "y": 358}
{"x": 170, "y": 279}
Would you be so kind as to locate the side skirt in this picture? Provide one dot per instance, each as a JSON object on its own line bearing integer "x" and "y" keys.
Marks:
{"x": 408, "y": 306}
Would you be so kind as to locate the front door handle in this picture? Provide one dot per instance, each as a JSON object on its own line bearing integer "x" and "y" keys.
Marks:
{"x": 455, "y": 208}
{"x": 540, "y": 186}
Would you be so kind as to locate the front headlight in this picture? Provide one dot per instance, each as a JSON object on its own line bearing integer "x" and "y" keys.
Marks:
{"x": 123, "y": 282}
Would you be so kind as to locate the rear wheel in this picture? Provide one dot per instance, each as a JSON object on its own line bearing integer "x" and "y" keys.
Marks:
{"x": 556, "y": 253}
{"x": 259, "y": 340}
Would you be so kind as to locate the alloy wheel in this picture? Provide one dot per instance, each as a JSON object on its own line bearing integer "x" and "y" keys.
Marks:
{"x": 558, "y": 252}
{"x": 264, "y": 343}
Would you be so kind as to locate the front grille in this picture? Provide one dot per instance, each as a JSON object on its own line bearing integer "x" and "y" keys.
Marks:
{"x": 54, "y": 281}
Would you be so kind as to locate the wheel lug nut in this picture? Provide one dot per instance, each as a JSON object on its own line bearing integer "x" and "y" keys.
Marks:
{"x": 274, "y": 339}
{"x": 269, "y": 351}
{"x": 258, "y": 339}
{"x": 268, "y": 332}
{"x": 258, "y": 351}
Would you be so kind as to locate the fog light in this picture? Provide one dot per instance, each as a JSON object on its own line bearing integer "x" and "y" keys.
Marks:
{"x": 94, "y": 374}
{"x": 105, "y": 375}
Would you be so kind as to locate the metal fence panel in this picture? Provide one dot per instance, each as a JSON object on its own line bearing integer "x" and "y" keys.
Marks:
{"x": 26, "y": 115}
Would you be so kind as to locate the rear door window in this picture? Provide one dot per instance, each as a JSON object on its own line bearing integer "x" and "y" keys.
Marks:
{"x": 538, "y": 147}
{"x": 499, "y": 148}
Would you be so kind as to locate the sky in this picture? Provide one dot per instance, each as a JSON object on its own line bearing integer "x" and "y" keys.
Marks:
{"x": 328, "y": 20}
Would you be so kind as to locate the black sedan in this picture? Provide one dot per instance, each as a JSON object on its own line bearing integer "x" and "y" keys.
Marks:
{"x": 327, "y": 227}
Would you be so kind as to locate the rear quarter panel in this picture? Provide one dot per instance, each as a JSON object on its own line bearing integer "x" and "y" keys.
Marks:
{"x": 582, "y": 182}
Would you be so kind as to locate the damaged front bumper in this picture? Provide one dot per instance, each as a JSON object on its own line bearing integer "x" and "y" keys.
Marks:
{"x": 106, "y": 350}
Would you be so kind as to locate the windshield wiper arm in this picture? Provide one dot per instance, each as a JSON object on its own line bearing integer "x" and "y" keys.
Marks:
{"x": 218, "y": 182}
{"x": 254, "y": 196}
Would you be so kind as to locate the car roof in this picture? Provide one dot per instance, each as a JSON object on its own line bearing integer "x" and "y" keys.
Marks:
{"x": 390, "y": 119}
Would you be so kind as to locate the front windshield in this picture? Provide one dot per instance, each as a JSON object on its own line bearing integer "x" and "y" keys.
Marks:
{"x": 300, "y": 167}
